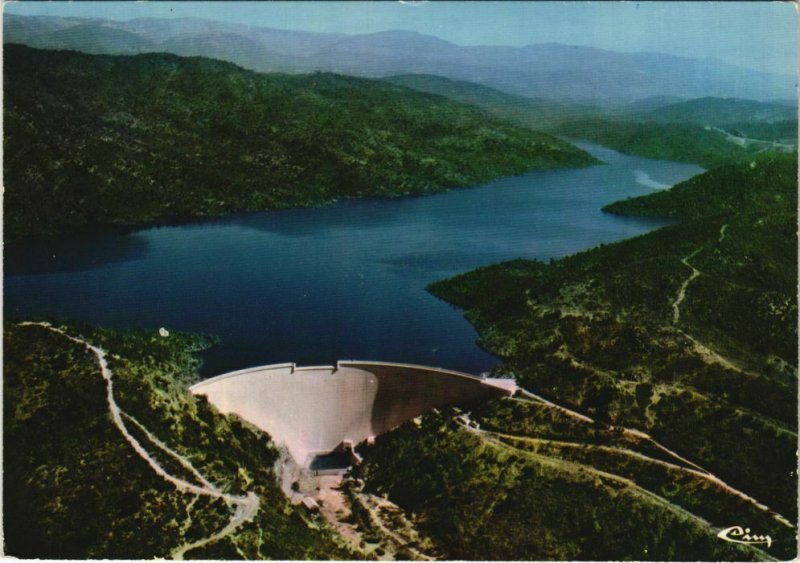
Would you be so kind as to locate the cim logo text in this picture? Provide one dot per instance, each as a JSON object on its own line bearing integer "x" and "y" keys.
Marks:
{"x": 737, "y": 534}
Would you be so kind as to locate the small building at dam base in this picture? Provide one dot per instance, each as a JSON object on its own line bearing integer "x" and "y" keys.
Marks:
{"x": 318, "y": 410}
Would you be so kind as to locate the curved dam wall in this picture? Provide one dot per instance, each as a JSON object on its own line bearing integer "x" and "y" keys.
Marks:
{"x": 313, "y": 410}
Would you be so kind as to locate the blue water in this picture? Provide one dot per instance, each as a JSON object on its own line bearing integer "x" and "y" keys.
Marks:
{"x": 347, "y": 281}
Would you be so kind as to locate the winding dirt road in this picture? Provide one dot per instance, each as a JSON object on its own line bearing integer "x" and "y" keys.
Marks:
{"x": 676, "y": 305}
{"x": 712, "y": 357}
{"x": 490, "y": 437}
{"x": 696, "y": 469}
{"x": 245, "y": 506}
{"x": 703, "y": 350}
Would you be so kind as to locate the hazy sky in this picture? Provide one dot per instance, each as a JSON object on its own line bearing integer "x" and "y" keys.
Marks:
{"x": 760, "y": 35}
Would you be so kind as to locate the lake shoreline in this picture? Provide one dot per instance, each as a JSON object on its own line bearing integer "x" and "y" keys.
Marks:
{"x": 315, "y": 285}
{"x": 182, "y": 220}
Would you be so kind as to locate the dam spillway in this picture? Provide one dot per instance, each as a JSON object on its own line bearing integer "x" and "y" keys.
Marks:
{"x": 316, "y": 410}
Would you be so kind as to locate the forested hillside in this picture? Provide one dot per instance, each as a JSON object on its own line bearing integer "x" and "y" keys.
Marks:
{"x": 536, "y": 113}
{"x": 74, "y": 488}
{"x": 688, "y": 333}
{"x": 115, "y": 140}
{"x": 706, "y": 131}
{"x": 532, "y": 483}
{"x": 722, "y": 111}
{"x": 683, "y": 142}
{"x": 765, "y": 184}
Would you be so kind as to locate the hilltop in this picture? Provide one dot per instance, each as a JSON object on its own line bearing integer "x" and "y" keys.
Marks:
{"x": 94, "y": 140}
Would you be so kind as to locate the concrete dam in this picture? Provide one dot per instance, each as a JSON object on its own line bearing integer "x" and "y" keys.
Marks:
{"x": 321, "y": 409}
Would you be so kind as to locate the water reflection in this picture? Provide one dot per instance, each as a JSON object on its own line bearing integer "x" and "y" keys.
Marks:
{"x": 48, "y": 255}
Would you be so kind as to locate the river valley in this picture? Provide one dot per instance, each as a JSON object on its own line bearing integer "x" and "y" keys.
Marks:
{"x": 345, "y": 281}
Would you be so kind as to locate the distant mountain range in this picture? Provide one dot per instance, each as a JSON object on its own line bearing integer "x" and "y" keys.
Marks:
{"x": 542, "y": 113}
{"x": 548, "y": 70}
{"x": 537, "y": 113}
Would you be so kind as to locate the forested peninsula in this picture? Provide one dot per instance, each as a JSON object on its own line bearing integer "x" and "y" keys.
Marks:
{"x": 94, "y": 140}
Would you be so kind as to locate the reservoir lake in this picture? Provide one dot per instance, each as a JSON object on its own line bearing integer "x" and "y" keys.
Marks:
{"x": 346, "y": 281}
